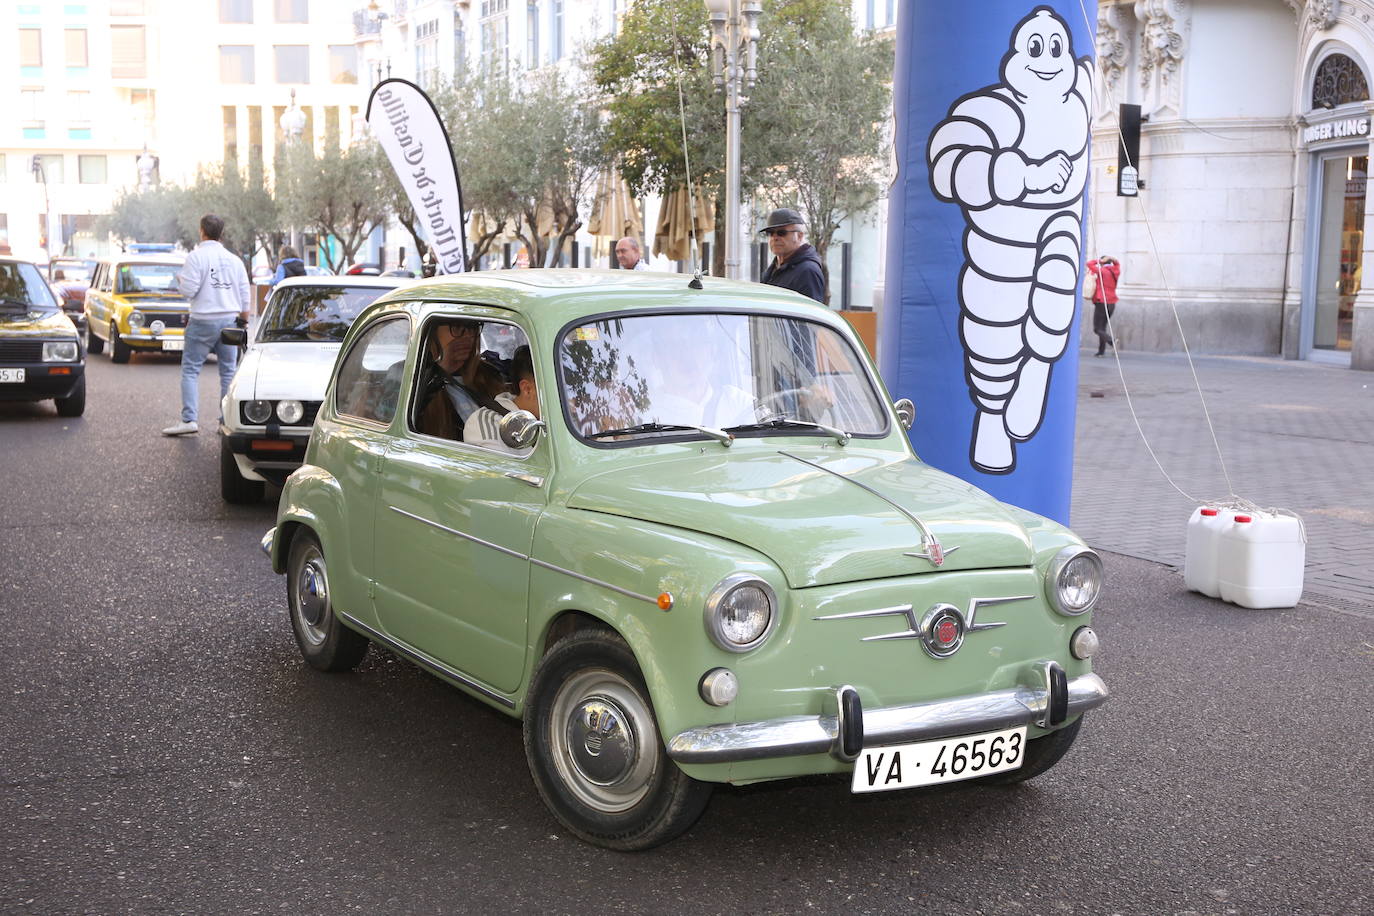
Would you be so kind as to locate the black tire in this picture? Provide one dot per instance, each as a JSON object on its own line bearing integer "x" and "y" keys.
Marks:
{"x": 119, "y": 350}
{"x": 594, "y": 751}
{"x": 94, "y": 345}
{"x": 325, "y": 643}
{"x": 74, "y": 404}
{"x": 1041, "y": 754}
{"x": 233, "y": 486}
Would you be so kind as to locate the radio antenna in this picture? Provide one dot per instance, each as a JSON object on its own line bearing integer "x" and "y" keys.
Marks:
{"x": 695, "y": 249}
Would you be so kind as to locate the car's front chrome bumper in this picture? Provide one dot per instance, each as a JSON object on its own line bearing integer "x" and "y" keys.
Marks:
{"x": 267, "y": 539}
{"x": 1049, "y": 703}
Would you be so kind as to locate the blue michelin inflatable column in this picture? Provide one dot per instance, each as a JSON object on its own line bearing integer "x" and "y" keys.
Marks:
{"x": 986, "y": 224}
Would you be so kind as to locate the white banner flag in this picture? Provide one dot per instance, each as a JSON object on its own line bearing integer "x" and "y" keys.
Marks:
{"x": 407, "y": 125}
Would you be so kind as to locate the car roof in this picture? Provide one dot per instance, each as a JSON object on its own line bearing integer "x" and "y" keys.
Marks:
{"x": 11, "y": 259}
{"x": 173, "y": 259}
{"x": 565, "y": 294}
{"x": 344, "y": 280}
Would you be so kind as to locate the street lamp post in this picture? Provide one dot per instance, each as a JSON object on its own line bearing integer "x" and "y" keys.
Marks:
{"x": 292, "y": 125}
{"x": 734, "y": 59}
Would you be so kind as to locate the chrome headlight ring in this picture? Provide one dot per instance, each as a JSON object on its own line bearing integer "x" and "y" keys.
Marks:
{"x": 1073, "y": 582}
{"x": 728, "y": 611}
{"x": 135, "y": 320}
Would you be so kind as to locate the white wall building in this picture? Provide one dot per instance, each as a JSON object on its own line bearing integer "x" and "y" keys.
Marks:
{"x": 192, "y": 81}
{"x": 1254, "y": 158}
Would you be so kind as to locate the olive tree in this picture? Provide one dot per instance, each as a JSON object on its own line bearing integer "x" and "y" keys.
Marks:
{"x": 337, "y": 193}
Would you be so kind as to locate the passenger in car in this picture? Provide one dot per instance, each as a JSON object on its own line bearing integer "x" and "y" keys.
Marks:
{"x": 484, "y": 426}
{"x": 447, "y": 391}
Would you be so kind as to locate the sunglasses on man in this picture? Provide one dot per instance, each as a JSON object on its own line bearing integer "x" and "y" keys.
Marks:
{"x": 780, "y": 233}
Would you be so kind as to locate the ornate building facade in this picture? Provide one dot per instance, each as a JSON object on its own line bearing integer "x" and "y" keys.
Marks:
{"x": 1255, "y": 146}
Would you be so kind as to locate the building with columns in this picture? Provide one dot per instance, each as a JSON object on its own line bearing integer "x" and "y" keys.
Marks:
{"x": 1254, "y": 153}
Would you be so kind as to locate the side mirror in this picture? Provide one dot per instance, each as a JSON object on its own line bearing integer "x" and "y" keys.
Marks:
{"x": 520, "y": 428}
{"x": 234, "y": 337}
{"x": 906, "y": 412}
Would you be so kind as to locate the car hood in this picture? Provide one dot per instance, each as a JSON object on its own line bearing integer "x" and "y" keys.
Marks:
{"x": 19, "y": 324}
{"x": 818, "y": 528}
{"x": 287, "y": 370}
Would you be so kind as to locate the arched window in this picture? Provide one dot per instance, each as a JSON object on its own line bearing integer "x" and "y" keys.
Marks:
{"x": 1339, "y": 80}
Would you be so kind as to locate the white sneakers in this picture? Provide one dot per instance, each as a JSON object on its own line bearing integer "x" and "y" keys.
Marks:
{"x": 185, "y": 428}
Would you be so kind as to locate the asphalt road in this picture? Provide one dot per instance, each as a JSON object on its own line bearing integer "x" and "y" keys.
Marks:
{"x": 166, "y": 751}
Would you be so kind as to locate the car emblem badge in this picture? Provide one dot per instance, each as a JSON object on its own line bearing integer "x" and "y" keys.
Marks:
{"x": 941, "y": 630}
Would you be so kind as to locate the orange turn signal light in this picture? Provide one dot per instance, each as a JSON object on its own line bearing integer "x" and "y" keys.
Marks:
{"x": 271, "y": 445}
{"x": 665, "y": 602}
{"x": 60, "y": 370}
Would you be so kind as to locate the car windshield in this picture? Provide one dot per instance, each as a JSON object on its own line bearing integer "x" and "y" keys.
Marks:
{"x": 23, "y": 289}
{"x": 314, "y": 312}
{"x": 153, "y": 279}
{"x": 71, "y": 271}
{"x": 647, "y": 376}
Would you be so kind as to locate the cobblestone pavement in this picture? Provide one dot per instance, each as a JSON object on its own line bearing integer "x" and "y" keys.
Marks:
{"x": 1293, "y": 435}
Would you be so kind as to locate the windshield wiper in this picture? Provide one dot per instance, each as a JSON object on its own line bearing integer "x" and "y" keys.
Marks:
{"x": 719, "y": 435}
{"x": 20, "y": 303}
{"x": 781, "y": 421}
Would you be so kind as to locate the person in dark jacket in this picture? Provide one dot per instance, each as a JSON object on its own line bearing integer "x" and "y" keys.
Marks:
{"x": 795, "y": 265}
{"x": 289, "y": 265}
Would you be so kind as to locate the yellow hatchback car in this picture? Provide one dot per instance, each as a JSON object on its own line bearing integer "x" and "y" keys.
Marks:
{"x": 133, "y": 304}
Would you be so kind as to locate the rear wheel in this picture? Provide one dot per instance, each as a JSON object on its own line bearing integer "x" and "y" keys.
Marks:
{"x": 324, "y": 642}
{"x": 119, "y": 350}
{"x": 233, "y": 486}
{"x": 1041, "y": 754}
{"x": 74, "y": 404}
{"x": 594, "y": 750}
{"x": 94, "y": 345}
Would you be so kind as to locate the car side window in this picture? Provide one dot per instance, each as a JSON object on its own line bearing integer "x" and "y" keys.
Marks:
{"x": 368, "y": 385}
{"x": 469, "y": 377}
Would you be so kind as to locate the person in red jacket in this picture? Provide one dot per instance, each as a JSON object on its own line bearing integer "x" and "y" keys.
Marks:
{"x": 1108, "y": 272}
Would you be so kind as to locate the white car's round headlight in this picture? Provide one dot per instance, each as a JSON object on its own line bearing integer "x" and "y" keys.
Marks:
{"x": 1074, "y": 581}
{"x": 740, "y": 612}
{"x": 257, "y": 411}
{"x": 290, "y": 411}
{"x": 135, "y": 320}
{"x": 60, "y": 351}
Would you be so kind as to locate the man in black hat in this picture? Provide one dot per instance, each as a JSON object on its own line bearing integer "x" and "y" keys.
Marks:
{"x": 795, "y": 265}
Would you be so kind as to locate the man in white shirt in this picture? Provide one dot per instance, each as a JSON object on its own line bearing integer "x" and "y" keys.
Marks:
{"x": 215, "y": 283}
{"x": 484, "y": 426}
{"x": 629, "y": 255}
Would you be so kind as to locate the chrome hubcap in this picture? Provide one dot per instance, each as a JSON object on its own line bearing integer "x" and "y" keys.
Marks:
{"x": 604, "y": 741}
{"x": 312, "y": 596}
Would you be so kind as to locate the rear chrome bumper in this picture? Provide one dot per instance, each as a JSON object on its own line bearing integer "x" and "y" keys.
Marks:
{"x": 1048, "y": 703}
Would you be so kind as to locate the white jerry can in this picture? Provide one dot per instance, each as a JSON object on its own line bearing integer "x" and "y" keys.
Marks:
{"x": 1260, "y": 559}
{"x": 1200, "y": 556}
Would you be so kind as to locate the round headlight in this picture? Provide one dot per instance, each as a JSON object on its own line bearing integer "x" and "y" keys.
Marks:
{"x": 135, "y": 320}
{"x": 740, "y": 612}
{"x": 257, "y": 411}
{"x": 290, "y": 411}
{"x": 60, "y": 351}
{"x": 1074, "y": 581}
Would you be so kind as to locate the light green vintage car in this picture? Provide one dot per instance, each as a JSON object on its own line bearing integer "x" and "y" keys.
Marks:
{"x": 691, "y": 545}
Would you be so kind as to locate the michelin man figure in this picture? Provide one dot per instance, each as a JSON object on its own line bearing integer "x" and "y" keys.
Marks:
{"x": 1014, "y": 157}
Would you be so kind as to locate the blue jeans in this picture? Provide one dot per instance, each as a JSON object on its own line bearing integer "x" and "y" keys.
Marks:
{"x": 202, "y": 336}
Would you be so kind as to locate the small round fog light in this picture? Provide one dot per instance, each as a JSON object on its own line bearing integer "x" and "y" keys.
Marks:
{"x": 158, "y": 326}
{"x": 719, "y": 687}
{"x": 1083, "y": 643}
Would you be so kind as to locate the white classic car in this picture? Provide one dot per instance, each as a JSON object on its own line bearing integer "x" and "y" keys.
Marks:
{"x": 273, "y": 399}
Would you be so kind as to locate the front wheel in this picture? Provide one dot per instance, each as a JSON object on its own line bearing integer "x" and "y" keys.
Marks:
{"x": 233, "y": 486}
{"x": 119, "y": 350}
{"x": 1041, "y": 754}
{"x": 594, "y": 750}
{"x": 74, "y": 404}
{"x": 324, "y": 642}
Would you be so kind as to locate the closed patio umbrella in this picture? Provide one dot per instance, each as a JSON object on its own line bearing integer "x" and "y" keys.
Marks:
{"x": 615, "y": 212}
{"x": 672, "y": 237}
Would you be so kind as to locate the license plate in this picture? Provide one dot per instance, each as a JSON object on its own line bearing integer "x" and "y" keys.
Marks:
{"x": 903, "y": 766}
{"x": 11, "y": 375}
{"x": 173, "y": 344}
